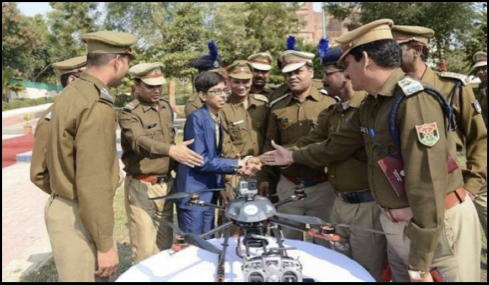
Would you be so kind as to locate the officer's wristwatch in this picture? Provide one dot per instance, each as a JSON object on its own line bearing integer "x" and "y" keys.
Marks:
{"x": 417, "y": 274}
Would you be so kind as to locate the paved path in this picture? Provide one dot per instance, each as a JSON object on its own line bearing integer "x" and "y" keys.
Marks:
{"x": 25, "y": 242}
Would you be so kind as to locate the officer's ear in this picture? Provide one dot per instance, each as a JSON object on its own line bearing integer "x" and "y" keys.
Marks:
{"x": 366, "y": 60}
{"x": 72, "y": 79}
{"x": 418, "y": 49}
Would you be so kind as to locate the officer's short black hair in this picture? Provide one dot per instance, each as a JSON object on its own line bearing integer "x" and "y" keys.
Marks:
{"x": 385, "y": 53}
{"x": 64, "y": 78}
{"x": 101, "y": 59}
{"x": 206, "y": 80}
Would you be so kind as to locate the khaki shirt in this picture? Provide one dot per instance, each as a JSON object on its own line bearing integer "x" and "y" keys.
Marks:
{"x": 289, "y": 121}
{"x": 246, "y": 127}
{"x": 147, "y": 133}
{"x": 482, "y": 98}
{"x": 193, "y": 103}
{"x": 283, "y": 89}
{"x": 268, "y": 91}
{"x": 82, "y": 153}
{"x": 39, "y": 169}
{"x": 427, "y": 181}
{"x": 340, "y": 173}
{"x": 471, "y": 135}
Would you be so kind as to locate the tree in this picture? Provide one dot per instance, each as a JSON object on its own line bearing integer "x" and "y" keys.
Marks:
{"x": 451, "y": 21}
{"x": 172, "y": 33}
{"x": 7, "y": 75}
{"x": 146, "y": 20}
{"x": 19, "y": 39}
{"x": 476, "y": 40}
{"x": 244, "y": 28}
{"x": 68, "y": 22}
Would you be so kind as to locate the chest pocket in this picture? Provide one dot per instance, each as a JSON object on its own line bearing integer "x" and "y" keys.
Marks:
{"x": 383, "y": 145}
{"x": 235, "y": 132}
{"x": 287, "y": 131}
{"x": 153, "y": 130}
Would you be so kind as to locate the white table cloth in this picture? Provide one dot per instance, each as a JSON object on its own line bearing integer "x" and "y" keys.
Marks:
{"x": 196, "y": 265}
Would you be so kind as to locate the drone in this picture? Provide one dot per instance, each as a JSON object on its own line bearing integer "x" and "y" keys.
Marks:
{"x": 255, "y": 216}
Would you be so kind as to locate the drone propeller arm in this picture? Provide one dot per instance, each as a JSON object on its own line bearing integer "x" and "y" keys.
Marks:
{"x": 205, "y": 204}
{"x": 286, "y": 201}
{"x": 290, "y": 226}
{"x": 312, "y": 232}
{"x": 220, "y": 228}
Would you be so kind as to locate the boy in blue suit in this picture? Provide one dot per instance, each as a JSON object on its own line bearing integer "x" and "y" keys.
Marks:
{"x": 205, "y": 128}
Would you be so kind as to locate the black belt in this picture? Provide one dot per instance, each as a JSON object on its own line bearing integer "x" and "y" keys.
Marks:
{"x": 307, "y": 182}
{"x": 355, "y": 197}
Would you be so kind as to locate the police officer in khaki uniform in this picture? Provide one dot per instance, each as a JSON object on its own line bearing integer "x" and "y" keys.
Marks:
{"x": 471, "y": 134}
{"x": 69, "y": 71}
{"x": 412, "y": 164}
{"x": 480, "y": 68}
{"x": 262, "y": 64}
{"x": 283, "y": 89}
{"x": 292, "y": 117}
{"x": 209, "y": 62}
{"x": 354, "y": 203}
{"x": 148, "y": 144}
{"x": 82, "y": 153}
{"x": 244, "y": 117}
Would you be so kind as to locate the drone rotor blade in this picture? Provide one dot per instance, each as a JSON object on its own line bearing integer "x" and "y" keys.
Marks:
{"x": 199, "y": 242}
{"x": 175, "y": 228}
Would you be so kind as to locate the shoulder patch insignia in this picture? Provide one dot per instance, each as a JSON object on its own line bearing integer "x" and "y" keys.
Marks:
{"x": 48, "y": 116}
{"x": 278, "y": 100}
{"x": 104, "y": 94}
{"x": 129, "y": 107}
{"x": 410, "y": 86}
{"x": 428, "y": 134}
{"x": 260, "y": 97}
{"x": 464, "y": 79}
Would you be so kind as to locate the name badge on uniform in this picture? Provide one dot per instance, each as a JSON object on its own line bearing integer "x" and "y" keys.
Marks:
{"x": 238, "y": 123}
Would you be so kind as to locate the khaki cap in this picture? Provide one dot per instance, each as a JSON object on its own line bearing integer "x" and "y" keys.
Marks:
{"x": 240, "y": 69}
{"x": 72, "y": 65}
{"x": 261, "y": 61}
{"x": 149, "y": 73}
{"x": 293, "y": 60}
{"x": 404, "y": 34}
{"x": 109, "y": 42}
{"x": 480, "y": 59}
{"x": 371, "y": 32}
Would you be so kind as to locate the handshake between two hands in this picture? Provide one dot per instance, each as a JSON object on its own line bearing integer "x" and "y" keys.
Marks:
{"x": 249, "y": 166}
